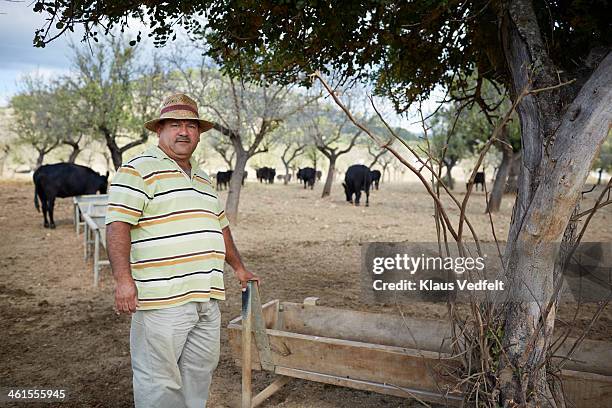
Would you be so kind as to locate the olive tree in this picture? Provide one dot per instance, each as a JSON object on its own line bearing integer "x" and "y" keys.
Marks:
{"x": 556, "y": 67}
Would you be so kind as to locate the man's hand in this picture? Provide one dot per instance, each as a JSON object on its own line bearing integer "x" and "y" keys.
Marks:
{"x": 244, "y": 276}
{"x": 126, "y": 295}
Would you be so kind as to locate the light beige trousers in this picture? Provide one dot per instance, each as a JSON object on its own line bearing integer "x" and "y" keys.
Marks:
{"x": 174, "y": 353}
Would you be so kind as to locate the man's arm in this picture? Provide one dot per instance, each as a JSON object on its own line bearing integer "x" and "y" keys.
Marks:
{"x": 232, "y": 257}
{"x": 118, "y": 243}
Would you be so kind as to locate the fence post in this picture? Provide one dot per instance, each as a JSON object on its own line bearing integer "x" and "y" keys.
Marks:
{"x": 246, "y": 345}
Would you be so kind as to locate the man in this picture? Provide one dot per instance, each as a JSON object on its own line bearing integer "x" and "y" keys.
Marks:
{"x": 167, "y": 239}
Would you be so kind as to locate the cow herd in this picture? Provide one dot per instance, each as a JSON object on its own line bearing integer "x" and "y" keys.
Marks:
{"x": 266, "y": 174}
{"x": 68, "y": 180}
{"x": 358, "y": 178}
{"x": 306, "y": 175}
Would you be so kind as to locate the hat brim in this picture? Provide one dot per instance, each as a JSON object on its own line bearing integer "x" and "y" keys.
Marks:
{"x": 203, "y": 125}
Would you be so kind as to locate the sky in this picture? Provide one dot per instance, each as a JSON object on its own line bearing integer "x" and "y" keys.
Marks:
{"x": 18, "y": 56}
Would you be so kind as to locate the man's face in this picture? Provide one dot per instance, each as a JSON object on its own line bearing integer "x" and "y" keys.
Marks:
{"x": 178, "y": 138}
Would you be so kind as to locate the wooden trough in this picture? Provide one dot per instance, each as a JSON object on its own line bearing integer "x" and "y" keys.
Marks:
{"x": 383, "y": 353}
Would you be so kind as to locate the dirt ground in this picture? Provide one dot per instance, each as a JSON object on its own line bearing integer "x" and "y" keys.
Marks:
{"x": 57, "y": 331}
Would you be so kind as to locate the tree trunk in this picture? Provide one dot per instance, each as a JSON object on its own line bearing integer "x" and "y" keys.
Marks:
{"x": 113, "y": 148}
{"x": 499, "y": 186}
{"x": 5, "y": 154}
{"x": 115, "y": 151}
{"x": 74, "y": 145}
{"x": 384, "y": 171}
{"x": 450, "y": 182}
{"x": 554, "y": 168}
{"x": 514, "y": 171}
{"x": 599, "y": 173}
{"x": 286, "y": 173}
{"x": 73, "y": 154}
{"x": 40, "y": 158}
{"x": 117, "y": 158}
{"x": 330, "y": 176}
{"x": 233, "y": 195}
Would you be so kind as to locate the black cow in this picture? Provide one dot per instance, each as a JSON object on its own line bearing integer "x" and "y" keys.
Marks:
{"x": 357, "y": 178}
{"x": 266, "y": 174}
{"x": 64, "y": 180}
{"x": 307, "y": 176}
{"x": 375, "y": 175}
{"x": 223, "y": 179}
{"x": 478, "y": 179}
{"x": 271, "y": 175}
{"x": 319, "y": 174}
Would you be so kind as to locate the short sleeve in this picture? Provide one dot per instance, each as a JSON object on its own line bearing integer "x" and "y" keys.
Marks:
{"x": 127, "y": 196}
{"x": 223, "y": 221}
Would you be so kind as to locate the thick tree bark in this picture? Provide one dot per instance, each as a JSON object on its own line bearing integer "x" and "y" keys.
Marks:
{"x": 559, "y": 141}
{"x": 235, "y": 186}
{"x": 330, "y": 176}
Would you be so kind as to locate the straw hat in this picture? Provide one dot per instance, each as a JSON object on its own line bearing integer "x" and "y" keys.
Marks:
{"x": 179, "y": 106}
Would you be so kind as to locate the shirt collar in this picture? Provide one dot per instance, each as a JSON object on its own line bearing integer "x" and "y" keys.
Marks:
{"x": 160, "y": 154}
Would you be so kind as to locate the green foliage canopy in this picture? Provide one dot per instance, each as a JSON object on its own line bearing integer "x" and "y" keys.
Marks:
{"x": 405, "y": 48}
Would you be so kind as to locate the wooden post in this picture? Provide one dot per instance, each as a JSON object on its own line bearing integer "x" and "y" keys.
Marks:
{"x": 258, "y": 326}
{"x": 76, "y": 215}
{"x": 96, "y": 256}
{"x": 270, "y": 390}
{"x": 86, "y": 241}
{"x": 246, "y": 346}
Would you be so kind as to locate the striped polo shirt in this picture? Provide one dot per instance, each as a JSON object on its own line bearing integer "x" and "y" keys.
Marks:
{"x": 178, "y": 252}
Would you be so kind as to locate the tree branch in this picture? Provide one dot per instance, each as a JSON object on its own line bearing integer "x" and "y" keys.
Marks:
{"x": 144, "y": 136}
